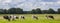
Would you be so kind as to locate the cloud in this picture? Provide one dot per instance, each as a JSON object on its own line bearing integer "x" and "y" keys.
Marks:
{"x": 27, "y": 5}
{"x": 49, "y": 0}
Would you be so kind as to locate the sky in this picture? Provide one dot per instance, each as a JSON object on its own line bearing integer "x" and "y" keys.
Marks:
{"x": 28, "y": 5}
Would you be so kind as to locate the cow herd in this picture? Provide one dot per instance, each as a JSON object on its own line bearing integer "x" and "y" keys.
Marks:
{"x": 14, "y": 17}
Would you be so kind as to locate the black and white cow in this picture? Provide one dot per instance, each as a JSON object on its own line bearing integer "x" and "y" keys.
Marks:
{"x": 23, "y": 17}
{"x": 35, "y": 17}
{"x": 11, "y": 17}
{"x": 7, "y": 17}
{"x": 50, "y": 16}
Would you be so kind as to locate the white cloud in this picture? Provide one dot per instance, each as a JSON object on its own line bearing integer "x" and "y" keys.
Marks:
{"x": 42, "y": 5}
{"x": 58, "y": 2}
{"x": 29, "y": 4}
{"x": 5, "y": 1}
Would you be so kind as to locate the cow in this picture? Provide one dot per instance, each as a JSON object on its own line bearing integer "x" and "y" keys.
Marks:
{"x": 11, "y": 17}
{"x": 50, "y": 16}
{"x": 7, "y": 17}
{"x": 35, "y": 17}
{"x": 22, "y": 17}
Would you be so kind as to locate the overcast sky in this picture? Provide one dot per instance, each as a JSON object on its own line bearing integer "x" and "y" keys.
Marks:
{"x": 28, "y": 5}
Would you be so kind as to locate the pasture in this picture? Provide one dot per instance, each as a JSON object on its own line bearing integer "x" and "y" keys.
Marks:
{"x": 29, "y": 19}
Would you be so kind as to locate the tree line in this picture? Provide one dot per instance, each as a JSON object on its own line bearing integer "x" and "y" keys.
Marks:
{"x": 33, "y": 11}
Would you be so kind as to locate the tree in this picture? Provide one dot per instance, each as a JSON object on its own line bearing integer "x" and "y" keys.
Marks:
{"x": 15, "y": 11}
{"x": 58, "y": 11}
{"x": 12, "y": 10}
{"x": 51, "y": 11}
{"x": 19, "y": 11}
{"x": 38, "y": 11}
{"x": 45, "y": 11}
{"x": 1, "y": 11}
{"x": 33, "y": 11}
{"x": 5, "y": 11}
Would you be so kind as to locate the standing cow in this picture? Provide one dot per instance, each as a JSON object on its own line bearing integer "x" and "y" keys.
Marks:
{"x": 50, "y": 17}
{"x": 22, "y": 17}
{"x": 13, "y": 17}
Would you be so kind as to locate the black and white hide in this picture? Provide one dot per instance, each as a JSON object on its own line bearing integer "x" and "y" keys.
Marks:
{"x": 50, "y": 16}
{"x": 7, "y": 17}
{"x": 22, "y": 17}
{"x": 35, "y": 17}
{"x": 11, "y": 17}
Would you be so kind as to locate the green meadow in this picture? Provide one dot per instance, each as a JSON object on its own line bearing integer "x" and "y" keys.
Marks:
{"x": 28, "y": 18}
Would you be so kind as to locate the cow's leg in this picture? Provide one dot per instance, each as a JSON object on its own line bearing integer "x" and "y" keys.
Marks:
{"x": 36, "y": 18}
{"x": 8, "y": 19}
{"x": 53, "y": 18}
{"x": 23, "y": 18}
{"x": 47, "y": 17}
{"x": 13, "y": 19}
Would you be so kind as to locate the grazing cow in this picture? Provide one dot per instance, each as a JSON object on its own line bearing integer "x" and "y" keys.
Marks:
{"x": 35, "y": 17}
{"x": 22, "y": 17}
{"x": 11, "y": 17}
{"x": 50, "y": 17}
{"x": 7, "y": 17}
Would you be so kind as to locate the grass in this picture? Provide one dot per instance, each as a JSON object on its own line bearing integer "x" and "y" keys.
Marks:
{"x": 29, "y": 19}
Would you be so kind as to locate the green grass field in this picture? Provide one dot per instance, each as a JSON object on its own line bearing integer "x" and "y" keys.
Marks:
{"x": 29, "y": 19}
